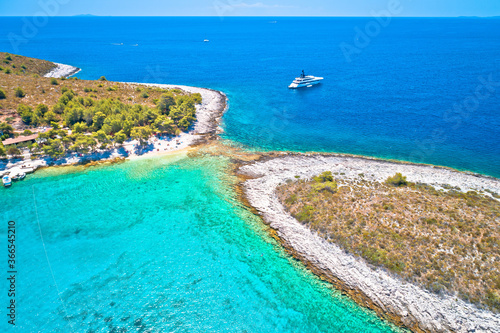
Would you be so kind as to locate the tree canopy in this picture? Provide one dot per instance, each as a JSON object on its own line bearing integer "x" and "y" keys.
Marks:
{"x": 102, "y": 122}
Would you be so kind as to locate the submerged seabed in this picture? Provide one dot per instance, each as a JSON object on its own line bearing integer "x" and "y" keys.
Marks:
{"x": 159, "y": 244}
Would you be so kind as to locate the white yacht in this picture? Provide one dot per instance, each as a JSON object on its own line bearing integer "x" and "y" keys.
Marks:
{"x": 305, "y": 81}
{"x": 6, "y": 180}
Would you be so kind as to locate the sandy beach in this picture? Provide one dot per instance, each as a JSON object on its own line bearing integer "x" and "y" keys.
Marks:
{"x": 401, "y": 302}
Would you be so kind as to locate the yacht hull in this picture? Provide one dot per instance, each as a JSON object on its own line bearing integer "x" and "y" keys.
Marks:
{"x": 302, "y": 85}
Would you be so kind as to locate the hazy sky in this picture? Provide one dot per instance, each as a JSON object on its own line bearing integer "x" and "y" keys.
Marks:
{"x": 249, "y": 7}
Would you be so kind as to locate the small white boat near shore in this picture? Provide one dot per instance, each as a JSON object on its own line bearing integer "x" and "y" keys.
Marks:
{"x": 19, "y": 175}
{"x": 7, "y": 181}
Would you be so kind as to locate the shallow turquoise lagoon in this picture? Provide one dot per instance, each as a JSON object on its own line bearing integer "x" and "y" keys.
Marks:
{"x": 158, "y": 245}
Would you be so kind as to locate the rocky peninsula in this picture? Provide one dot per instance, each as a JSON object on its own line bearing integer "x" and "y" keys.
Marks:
{"x": 403, "y": 303}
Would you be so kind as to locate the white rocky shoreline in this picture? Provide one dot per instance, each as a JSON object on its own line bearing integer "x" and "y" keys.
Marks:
{"x": 406, "y": 304}
{"x": 62, "y": 70}
{"x": 208, "y": 114}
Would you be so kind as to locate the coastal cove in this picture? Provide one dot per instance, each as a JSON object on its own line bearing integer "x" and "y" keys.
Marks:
{"x": 398, "y": 308}
{"x": 186, "y": 232}
{"x": 175, "y": 251}
{"x": 158, "y": 187}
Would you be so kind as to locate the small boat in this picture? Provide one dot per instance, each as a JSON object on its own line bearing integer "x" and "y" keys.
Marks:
{"x": 206, "y": 41}
{"x": 6, "y": 181}
{"x": 305, "y": 81}
{"x": 19, "y": 176}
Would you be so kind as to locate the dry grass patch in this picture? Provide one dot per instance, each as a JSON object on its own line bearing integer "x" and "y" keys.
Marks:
{"x": 40, "y": 90}
{"x": 25, "y": 73}
{"x": 20, "y": 65}
{"x": 445, "y": 241}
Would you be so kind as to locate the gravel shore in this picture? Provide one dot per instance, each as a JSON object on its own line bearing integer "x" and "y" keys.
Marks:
{"x": 403, "y": 303}
{"x": 62, "y": 70}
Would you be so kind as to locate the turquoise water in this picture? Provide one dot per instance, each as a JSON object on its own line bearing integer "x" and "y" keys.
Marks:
{"x": 158, "y": 245}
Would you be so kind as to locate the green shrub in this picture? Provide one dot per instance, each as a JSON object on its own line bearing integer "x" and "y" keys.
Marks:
{"x": 41, "y": 110}
{"x": 8, "y": 57}
{"x": 50, "y": 117}
{"x": 19, "y": 92}
{"x": 13, "y": 151}
{"x": 102, "y": 78}
{"x": 27, "y": 115}
{"x": 66, "y": 97}
{"x": 2, "y": 94}
{"x": 6, "y": 130}
{"x": 306, "y": 214}
{"x": 291, "y": 199}
{"x": 7, "y": 71}
{"x": 326, "y": 186}
{"x": 145, "y": 95}
{"x": 165, "y": 102}
{"x": 493, "y": 298}
{"x": 398, "y": 180}
{"x": 324, "y": 177}
{"x": 388, "y": 206}
{"x": 80, "y": 127}
{"x": 53, "y": 81}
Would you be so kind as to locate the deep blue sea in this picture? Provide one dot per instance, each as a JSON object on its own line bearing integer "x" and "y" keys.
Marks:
{"x": 412, "y": 89}
{"x": 162, "y": 244}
